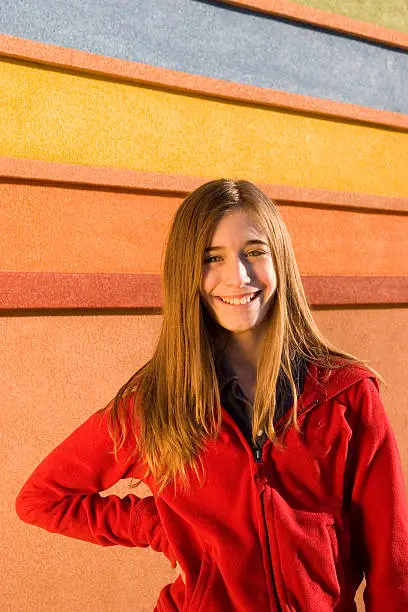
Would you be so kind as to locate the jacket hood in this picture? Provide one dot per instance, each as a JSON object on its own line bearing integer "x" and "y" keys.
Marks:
{"x": 323, "y": 384}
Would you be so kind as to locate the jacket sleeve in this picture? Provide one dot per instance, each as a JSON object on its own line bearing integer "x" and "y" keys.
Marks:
{"x": 378, "y": 503}
{"x": 62, "y": 494}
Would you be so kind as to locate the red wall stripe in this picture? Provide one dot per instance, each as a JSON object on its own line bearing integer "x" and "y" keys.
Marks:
{"x": 44, "y": 291}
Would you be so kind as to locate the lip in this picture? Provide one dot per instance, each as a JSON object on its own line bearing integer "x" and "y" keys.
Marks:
{"x": 257, "y": 294}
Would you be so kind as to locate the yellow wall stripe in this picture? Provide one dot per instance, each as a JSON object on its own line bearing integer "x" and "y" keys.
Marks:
{"x": 63, "y": 117}
{"x": 121, "y": 70}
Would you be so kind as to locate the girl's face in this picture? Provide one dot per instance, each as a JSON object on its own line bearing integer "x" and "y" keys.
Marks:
{"x": 237, "y": 268}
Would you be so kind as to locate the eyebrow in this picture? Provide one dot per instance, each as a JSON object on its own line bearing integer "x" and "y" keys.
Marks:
{"x": 219, "y": 248}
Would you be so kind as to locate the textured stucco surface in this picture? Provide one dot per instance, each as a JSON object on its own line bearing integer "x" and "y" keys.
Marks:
{"x": 68, "y": 367}
{"x": 114, "y": 232}
{"x": 221, "y": 41}
{"x": 59, "y": 116}
{"x": 388, "y": 13}
{"x": 53, "y": 384}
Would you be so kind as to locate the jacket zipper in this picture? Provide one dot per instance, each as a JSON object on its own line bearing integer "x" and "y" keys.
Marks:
{"x": 257, "y": 452}
{"x": 258, "y": 459}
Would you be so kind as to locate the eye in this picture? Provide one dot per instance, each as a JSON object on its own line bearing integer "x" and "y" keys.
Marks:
{"x": 208, "y": 260}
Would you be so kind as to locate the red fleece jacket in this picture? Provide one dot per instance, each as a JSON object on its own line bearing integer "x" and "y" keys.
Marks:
{"x": 294, "y": 532}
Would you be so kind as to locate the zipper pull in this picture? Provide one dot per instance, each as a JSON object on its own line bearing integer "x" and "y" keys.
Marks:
{"x": 258, "y": 454}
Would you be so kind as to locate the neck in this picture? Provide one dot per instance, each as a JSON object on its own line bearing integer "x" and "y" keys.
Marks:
{"x": 243, "y": 349}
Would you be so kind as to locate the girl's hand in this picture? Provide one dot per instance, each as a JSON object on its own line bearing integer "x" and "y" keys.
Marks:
{"x": 183, "y": 576}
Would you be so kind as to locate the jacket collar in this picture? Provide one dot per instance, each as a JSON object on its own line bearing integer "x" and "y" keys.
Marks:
{"x": 226, "y": 374}
{"x": 320, "y": 383}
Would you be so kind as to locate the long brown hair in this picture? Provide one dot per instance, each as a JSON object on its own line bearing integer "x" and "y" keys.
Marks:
{"x": 178, "y": 402}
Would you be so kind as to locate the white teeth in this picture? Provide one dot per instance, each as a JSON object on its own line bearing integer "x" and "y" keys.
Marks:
{"x": 243, "y": 300}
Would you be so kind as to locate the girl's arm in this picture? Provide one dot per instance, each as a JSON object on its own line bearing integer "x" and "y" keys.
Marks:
{"x": 62, "y": 494}
{"x": 378, "y": 503}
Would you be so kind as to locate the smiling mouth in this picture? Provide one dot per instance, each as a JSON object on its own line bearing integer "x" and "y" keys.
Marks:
{"x": 256, "y": 295}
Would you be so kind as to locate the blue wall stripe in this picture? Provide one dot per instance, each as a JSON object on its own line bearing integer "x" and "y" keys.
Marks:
{"x": 220, "y": 41}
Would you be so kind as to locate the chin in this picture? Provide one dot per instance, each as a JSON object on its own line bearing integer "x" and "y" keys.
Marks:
{"x": 238, "y": 328}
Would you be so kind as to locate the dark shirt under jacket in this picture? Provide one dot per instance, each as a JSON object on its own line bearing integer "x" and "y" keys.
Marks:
{"x": 239, "y": 406}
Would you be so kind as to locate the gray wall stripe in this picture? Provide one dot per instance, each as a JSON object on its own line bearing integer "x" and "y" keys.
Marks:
{"x": 220, "y": 41}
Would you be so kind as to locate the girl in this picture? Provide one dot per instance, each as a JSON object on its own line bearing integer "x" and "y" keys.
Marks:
{"x": 299, "y": 489}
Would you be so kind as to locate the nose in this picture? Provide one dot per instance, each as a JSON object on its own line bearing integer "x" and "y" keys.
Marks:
{"x": 236, "y": 273}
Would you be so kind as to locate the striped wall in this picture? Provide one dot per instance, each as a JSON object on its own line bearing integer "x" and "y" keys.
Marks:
{"x": 87, "y": 139}
{"x": 245, "y": 46}
{"x": 110, "y": 231}
{"x": 114, "y": 244}
{"x": 387, "y": 13}
{"x": 83, "y": 120}
{"x": 361, "y": 19}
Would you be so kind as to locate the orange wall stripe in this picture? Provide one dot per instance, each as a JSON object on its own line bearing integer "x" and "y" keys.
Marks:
{"x": 325, "y": 19}
{"x": 118, "y": 69}
{"x": 46, "y": 291}
{"x": 26, "y": 170}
